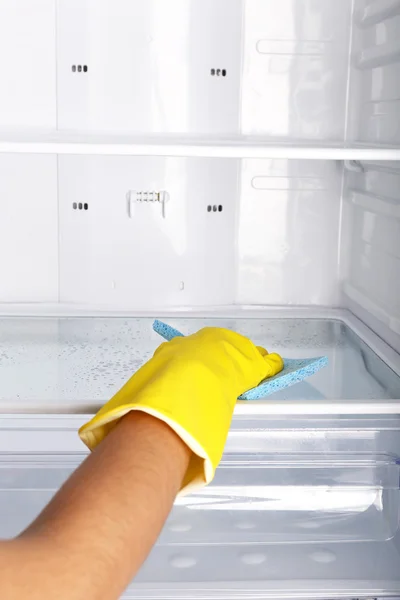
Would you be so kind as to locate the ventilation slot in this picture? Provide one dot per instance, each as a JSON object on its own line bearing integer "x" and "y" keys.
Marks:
{"x": 80, "y": 206}
{"x": 218, "y": 72}
{"x": 215, "y": 208}
{"x": 79, "y": 68}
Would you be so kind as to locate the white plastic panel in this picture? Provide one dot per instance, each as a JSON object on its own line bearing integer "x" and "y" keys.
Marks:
{"x": 371, "y": 242}
{"x": 295, "y": 68}
{"x": 122, "y": 251}
{"x": 28, "y": 228}
{"x": 375, "y": 77}
{"x": 288, "y": 232}
{"x": 146, "y": 66}
{"x": 27, "y": 64}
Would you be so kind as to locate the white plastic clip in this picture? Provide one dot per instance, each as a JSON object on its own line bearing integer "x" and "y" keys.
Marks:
{"x": 133, "y": 197}
{"x": 163, "y": 197}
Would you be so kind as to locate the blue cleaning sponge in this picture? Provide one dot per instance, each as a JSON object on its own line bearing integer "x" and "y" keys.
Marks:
{"x": 294, "y": 371}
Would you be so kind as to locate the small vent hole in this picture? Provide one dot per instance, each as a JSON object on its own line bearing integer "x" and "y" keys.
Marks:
{"x": 218, "y": 72}
{"x": 79, "y": 68}
{"x": 80, "y": 206}
{"x": 215, "y": 208}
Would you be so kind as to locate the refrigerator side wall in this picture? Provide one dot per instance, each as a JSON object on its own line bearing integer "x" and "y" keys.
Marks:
{"x": 374, "y": 107}
{"x": 371, "y": 247}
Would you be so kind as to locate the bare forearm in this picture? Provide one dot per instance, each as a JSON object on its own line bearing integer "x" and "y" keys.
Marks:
{"x": 95, "y": 534}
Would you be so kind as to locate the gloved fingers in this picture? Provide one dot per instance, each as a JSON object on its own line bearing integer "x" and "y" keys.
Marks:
{"x": 262, "y": 350}
{"x": 274, "y": 364}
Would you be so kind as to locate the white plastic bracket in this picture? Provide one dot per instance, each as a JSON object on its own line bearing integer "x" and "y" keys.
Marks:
{"x": 135, "y": 197}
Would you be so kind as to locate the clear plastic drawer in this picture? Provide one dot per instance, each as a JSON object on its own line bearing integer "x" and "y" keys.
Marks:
{"x": 310, "y": 510}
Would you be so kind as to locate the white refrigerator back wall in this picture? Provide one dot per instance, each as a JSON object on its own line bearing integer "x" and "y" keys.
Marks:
{"x": 27, "y": 64}
{"x": 288, "y": 233}
{"x": 28, "y": 228}
{"x": 154, "y": 66}
{"x": 293, "y": 70}
{"x": 142, "y": 232}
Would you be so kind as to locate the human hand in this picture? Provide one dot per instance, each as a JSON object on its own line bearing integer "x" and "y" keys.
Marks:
{"x": 192, "y": 384}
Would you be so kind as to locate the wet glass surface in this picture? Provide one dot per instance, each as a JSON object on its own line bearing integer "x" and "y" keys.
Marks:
{"x": 81, "y": 362}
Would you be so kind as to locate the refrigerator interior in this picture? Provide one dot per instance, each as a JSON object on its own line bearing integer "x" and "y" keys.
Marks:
{"x": 77, "y": 235}
{"x": 210, "y": 162}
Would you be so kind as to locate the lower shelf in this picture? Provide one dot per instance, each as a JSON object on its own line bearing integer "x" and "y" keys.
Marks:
{"x": 270, "y": 525}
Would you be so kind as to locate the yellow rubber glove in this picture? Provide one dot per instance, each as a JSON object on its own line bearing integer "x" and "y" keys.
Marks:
{"x": 192, "y": 384}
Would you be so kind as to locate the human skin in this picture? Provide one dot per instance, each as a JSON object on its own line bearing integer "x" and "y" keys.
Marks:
{"x": 95, "y": 534}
